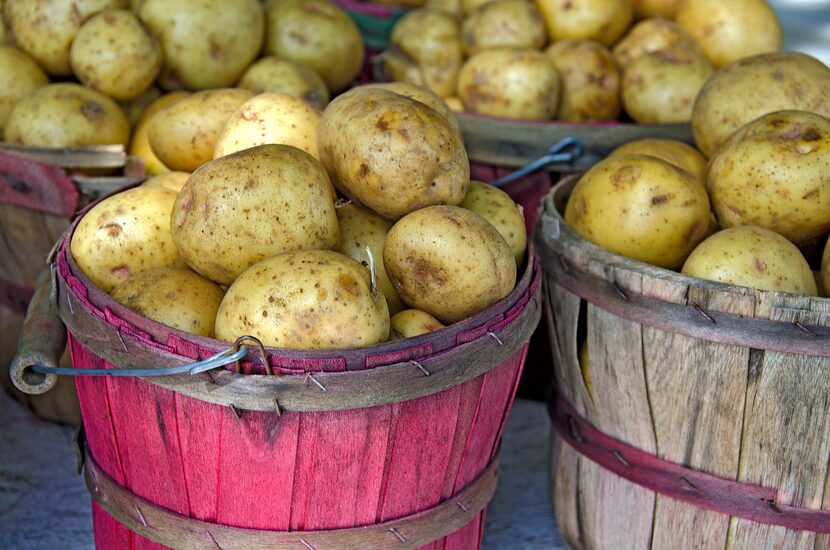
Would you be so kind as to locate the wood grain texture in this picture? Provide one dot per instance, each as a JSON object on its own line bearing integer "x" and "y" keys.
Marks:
{"x": 758, "y": 415}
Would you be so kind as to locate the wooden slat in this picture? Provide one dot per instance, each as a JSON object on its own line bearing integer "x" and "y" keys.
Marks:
{"x": 786, "y": 436}
{"x": 697, "y": 392}
{"x": 98, "y": 156}
{"x": 566, "y": 495}
{"x": 26, "y": 237}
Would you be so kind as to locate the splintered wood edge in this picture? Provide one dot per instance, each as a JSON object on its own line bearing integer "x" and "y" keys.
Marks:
{"x": 169, "y": 528}
{"x": 98, "y": 156}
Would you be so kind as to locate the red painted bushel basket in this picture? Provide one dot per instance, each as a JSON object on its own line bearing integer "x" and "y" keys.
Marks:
{"x": 38, "y": 199}
{"x": 389, "y": 446}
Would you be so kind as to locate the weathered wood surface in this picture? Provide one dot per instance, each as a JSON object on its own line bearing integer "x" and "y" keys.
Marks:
{"x": 747, "y": 414}
{"x": 97, "y": 156}
{"x": 515, "y": 143}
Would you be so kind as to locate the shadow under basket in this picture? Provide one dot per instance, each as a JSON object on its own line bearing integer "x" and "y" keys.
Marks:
{"x": 389, "y": 446}
{"x": 702, "y": 418}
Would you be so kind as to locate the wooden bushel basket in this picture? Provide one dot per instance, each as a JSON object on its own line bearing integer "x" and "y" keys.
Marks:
{"x": 384, "y": 447}
{"x": 707, "y": 423}
{"x": 38, "y": 200}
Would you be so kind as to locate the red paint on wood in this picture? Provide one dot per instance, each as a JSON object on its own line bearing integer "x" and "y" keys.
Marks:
{"x": 36, "y": 186}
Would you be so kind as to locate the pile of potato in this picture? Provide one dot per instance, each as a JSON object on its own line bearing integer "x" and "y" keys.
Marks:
{"x": 576, "y": 60}
{"x": 307, "y": 230}
{"x": 747, "y": 215}
{"x": 124, "y": 54}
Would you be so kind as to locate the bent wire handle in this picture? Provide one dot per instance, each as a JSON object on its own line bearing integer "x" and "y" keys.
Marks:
{"x": 34, "y": 368}
{"x": 564, "y": 152}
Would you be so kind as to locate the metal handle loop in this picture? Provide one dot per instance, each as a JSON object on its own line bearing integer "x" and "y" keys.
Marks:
{"x": 565, "y": 151}
{"x": 229, "y": 355}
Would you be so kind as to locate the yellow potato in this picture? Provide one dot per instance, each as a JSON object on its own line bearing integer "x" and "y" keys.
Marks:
{"x": 360, "y": 228}
{"x": 312, "y": 299}
{"x": 755, "y": 86}
{"x": 644, "y": 9}
{"x": 661, "y": 87}
{"x": 67, "y": 115}
{"x": 316, "y": 33}
{"x": 140, "y": 143}
{"x": 504, "y": 23}
{"x": 134, "y": 108}
{"x": 391, "y": 153}
{"x": 601, "y": 20}
{"x": 452, "y": 7}
{"x": 469, "y": 6}
{"x": 674, "y": 152}
{"x": 731, "y": 30}
{"x": 752, "y": 257}
{"x": 590, "y": 80}
{"x": 422, "y": 94}
{"x": 425, "y": 49}
{"x": 775, "y": 173}
{"x": 825, "y": 270}
{"x": 651, "y": 35}
{"x": 270, "y": 118}
{"x": 242, "y": 208}
{"x": 272, "y": 74}
{"x": 206, "y": 43}
{"x": 183, "y": 135}
{"x": 413, "y": 322}
{"x": 641, "y": 207}
{"x": 19, "y": 75}
{"x": 496, "y": 206}
{"x": 511, "y": 83}
{"x": 455, "y": 103}
{"x": 45, "y": 28}
{"x": 125, "y": 234}
{"x": 113, "y": 53}
{"x": 178, "y": 298}
{"x": 449, "y": 262}
{"x": 172, "y": 181}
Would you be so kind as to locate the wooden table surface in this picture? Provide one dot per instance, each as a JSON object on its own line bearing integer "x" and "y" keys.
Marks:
{"x": 44, "y": 504}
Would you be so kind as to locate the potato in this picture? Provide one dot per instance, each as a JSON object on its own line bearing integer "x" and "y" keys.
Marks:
{"x": 510, "y": 82}
{"x": 178, "y": 298}
{"x": 125, "y": 234}
{"x": 641, "y": 207}
{"x": 448, "y": 261}
{"x": 413, "y": 322}
{"x": 674, "y": 152}
{"x": 455, "y": 103}
{"x": 590, "y": 80}
{"x": 469, "y": 6}
{"x": 206, "y": 43}
{"x": 134, "y": 108}
{"x": 775, "y": 173}
{"x": 360, "y": 228}
{"x": 270, "y": 118}
{"x": 504, "y": 23}
{"x": 45, "y": 28}
{"x": 425, "y": 49}
{"x": 312, "y": 299}
{"x": 316, "y": 33}
{"x": 183, "y": 135}
{"x": 651, "y": 35}
{"x": 272, "y": 74}
{"x": 731, "y": 30}
{"x": 752, "y": 257}
{"x": 140, "y": 142}
{"x": 391, "y": 153}
{"x": 19, "y": 75}
{"x": 422, "y": 94}
{"x": 172, "y": 181}
{"x": 661, "y": 87}
{"x": 496, "y": 206}
{"x": 237, "y": 210}
{"x": 453, "y": 7}
{"x": 113, "y": 53}
{"x": 644, "y": 9}
{"x": 603, "y": 21}
{"x": 67, "y": 115}
{"x": 777, "y": 81}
